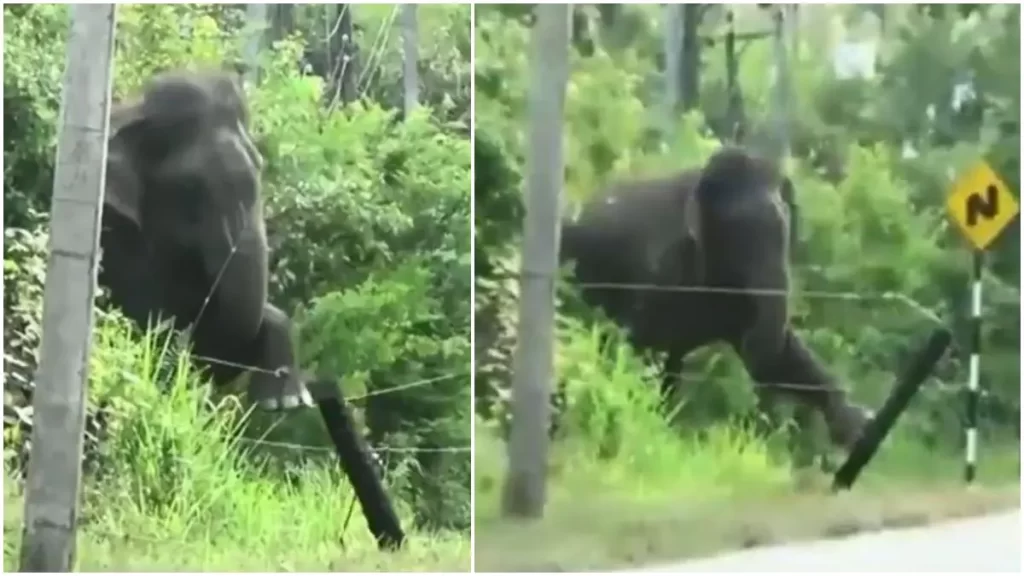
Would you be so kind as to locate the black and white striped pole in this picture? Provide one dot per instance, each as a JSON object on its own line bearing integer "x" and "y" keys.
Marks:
{"x": 974, "y": 372}
{"x": 982, "y": 206}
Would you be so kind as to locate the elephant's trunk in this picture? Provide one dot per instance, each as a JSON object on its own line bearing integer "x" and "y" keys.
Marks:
{"x": 798, "y": 373}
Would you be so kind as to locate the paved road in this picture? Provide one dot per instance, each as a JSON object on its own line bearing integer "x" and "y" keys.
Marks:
{"x": 987, "y": 544}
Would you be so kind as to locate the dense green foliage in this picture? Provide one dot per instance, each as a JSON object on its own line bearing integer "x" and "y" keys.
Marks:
{"x": 873, "y": 226}
{"x": 368, "y": 219}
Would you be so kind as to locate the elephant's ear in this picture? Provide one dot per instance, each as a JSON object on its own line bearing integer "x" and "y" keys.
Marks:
{"x": 694, "y": 238}
{"x": 124, "y": 188}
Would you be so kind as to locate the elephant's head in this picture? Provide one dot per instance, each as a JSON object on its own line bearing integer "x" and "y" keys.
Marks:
{"x": 197, "y": 187}
{"x": 745, "y": 235}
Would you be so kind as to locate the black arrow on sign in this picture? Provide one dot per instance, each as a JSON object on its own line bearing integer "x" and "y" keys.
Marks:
{"x": 987, "y": 206}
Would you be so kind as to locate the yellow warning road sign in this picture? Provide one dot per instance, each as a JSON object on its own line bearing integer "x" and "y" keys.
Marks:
{"x": 981, "y": 204}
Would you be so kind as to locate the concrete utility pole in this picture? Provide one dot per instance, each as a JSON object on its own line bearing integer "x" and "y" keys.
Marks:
{"x": 689, "y": 64}
{"x": 410, "y": 56}
{"x": 55, "y": 465}
{"x": 524, "y": 491}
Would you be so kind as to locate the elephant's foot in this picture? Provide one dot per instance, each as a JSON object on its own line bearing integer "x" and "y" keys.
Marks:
{"x": 846, "y": 424}
{"x": 280, "y": 390}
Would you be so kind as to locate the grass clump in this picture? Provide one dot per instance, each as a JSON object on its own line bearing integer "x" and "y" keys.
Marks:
{"x": 628, "y": 487}
{"x": 172, "y": 486}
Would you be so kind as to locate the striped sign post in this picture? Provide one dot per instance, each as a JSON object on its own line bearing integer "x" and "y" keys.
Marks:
{"x": 973, "y": 385}
{"x": 982, "y": 206}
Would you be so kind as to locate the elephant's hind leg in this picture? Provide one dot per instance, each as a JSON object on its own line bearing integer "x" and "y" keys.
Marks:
{"x": 276, "y": 382}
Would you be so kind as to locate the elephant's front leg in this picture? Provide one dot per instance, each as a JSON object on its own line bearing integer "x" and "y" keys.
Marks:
{"x": 276, "y": 383}
{"x": 793, "y": 370}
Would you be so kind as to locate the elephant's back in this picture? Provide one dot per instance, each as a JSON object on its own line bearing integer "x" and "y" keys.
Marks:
{"x": 640, "y": 207}
{"x": 624, "y": 232}
{"x": 631, "y": 250}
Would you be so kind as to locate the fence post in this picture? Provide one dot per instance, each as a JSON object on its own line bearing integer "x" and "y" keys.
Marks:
{"x": 55, "y": 464}
{"x": 524, "y": 490}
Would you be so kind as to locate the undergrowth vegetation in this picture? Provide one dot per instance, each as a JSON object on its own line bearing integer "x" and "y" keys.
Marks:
{"x": 368, "y": 221}
{"x": 173, "y": 482}
{"x": 877, "y": 266}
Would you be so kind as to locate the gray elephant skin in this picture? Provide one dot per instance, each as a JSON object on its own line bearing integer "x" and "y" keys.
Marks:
{"x": 183, "y": 231}
{"x": 725, "y": 226}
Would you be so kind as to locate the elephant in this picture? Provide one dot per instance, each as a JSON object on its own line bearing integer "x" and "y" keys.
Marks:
{"x": 719, "y": 235}
{"x": 183, "y": 234}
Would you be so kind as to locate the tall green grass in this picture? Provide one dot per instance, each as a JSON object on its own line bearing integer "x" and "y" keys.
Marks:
{"x": 173, "y": 487}
{"x": 613, "y": 439}
{"x": 614, "y": 443}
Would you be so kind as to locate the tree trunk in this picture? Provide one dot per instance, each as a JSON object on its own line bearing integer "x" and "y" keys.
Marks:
{"x": 256, "y": 24}
{"x": 611, "y": 16}
{"x": 690, "y": 73}
{"x": 582, "y": 37}
{"x": 282, "y": 21}
{"x": 782, "y": 92}
{"x": 672, "y": 15}
{"x": 734, "y": 120}
{"x": 341, "y": 55}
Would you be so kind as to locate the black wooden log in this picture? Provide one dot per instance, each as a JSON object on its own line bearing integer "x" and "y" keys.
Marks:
{"x": 878, "y": 428}
{"x": 357, "y": 462}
